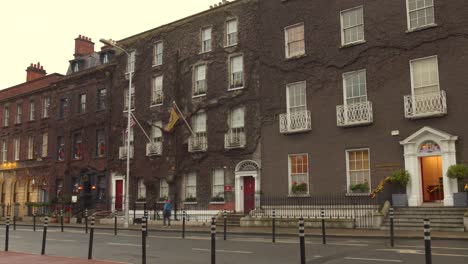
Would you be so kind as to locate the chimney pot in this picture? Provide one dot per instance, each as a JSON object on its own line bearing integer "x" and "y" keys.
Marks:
{"x": 83, "y": 46}
{"x": 35, "y": 71}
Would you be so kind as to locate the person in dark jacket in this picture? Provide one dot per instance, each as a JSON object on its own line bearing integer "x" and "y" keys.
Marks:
{"x": 167, "y": 212}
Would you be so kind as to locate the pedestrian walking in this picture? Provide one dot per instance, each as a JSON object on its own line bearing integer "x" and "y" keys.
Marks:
{"x": 167, "y": 212}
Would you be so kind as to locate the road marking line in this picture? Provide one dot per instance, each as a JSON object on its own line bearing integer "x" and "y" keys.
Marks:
{"x": 225, "y": 251}
{"x": 420, "y": 252}
{"x": 125, "y": 245}
{"x": 369, "y": 259}
{"x": 434, "y": 247}
{"x": 10, "y": 236}
{"x": 61, "y": 240}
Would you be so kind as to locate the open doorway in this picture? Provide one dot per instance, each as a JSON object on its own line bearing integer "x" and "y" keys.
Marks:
{"x": 432, "y": 183}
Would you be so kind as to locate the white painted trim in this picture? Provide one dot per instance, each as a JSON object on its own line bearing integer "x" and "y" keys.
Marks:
{"x": 239, "y": 186}
{"x": 114, "y": 178}
{"x": 289, "y": 174}
{"x": 287, "y": 93}
{"x": 347, "y": 170}
{"x": 286, "y": 46}
{"x": 343, "y": 44}
{"x": 409, "y": 29}
{"x": 411, "y": 71}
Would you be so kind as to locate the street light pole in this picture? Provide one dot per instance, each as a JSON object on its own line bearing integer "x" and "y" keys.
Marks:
{"x": 112, "y": 43}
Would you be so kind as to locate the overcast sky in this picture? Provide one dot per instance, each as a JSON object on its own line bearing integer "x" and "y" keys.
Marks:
{"x": 44, "y": 30}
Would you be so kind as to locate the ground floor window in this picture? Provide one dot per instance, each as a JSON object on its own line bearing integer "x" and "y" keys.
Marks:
{"x": 358, "y": 170}
{"x": 218, "y": 185}
{"x": 298, "y": 174}
{"x": 163, "y": 189}
{"x": 141, "y": 189}
{"x": 191, "y": 187}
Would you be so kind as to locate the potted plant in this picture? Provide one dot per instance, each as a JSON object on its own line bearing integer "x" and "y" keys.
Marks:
{"x": 360, "y": 187}
{"x": 401, "y": 178}
{"x": 299, "y": 188}
{"x": 459, "y": 172}
{"x": 217, "y": 199}
{"x": 191, "y": 199}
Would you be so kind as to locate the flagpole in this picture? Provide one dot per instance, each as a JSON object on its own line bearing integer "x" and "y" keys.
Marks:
{"x": 183, "y": 117}
{"x": 144, "y": 132}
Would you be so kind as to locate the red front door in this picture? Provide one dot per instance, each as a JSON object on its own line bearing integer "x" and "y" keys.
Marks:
{"x": 249, "y": 194}
{"x": 118, "y": 195}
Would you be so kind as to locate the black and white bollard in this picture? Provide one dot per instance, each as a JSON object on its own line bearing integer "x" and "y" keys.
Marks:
{"x": 44, "y": 235}
{"x": 115, "y": 224}
{"x": 34, "y": 222}
{"x": 213, "y": 240}
{"x": 91, "y": 238}
{"x": 86, "y": 220}
{"x": 324, "y": 236}
{"x": 14, "y": 221}
{"x": 273, "y": 226}
{"x": 302, "y": 240}
{"x": 61, "y": 221}
{"x": 427, "y": 240}
{"x": 225, "y": 224}
{"x": 7, "y": 232}
{"x": 183, "y": 223}
{"x": 391, "y": 212}
{"x": 146, "y": 220}
{"x": 144, "y": 230}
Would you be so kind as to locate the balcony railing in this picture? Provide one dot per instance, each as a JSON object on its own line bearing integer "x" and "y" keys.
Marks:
{"x": 154, "y": 149}
{"x": 123, "y": 152}
{"x": 198, "y": 143}
{"x": 425, "y": 105}
{"x": 295, "y": 122}
{"x": 235, "y": 138}
{"x": 354, "y": 114}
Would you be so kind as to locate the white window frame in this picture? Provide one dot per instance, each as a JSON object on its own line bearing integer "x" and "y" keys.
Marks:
{"x": 343, "y": 39}
{"x": 19, "y": 113}
{"x": 228, "y": 34}
{"x": 195, "y": 122}
{"x": 412, "y": 70}
{"x": 190, "y": 190}
{"x": 4, "y": 149}
{"x": 101, "y": 97}
{"x": 156, "y": 133}
{"x": 157, "y": 89}
{"x": 45, "y": 106}
{"x": 231, "y": 117}
{"x": 98, "y": 142}
{"x": 286, "y": 41}
{"x": 163, "y": 189}
{"x": 288, "y": 106}
{"x": 348, "y": 176}
{"x": 82, "y": 102}
{"x": 30, "y": 147}
{"x": 196, "y": 84}
{"x": 208, "y": 41}
{"x": 158, "y": 57}
{"x": 290, "y": 181}
{"x": 345, "y": 93}
{"x": 215, "y": 186}
{"x": 231, "y": 80}
{"x": 409, "y": 19}
{"x": 6, "y": 115}
{"x": 131, "y": 59}
{"x": 45, "y": 143}
{"x": 141, "y": 187}
{"x": 16, "y": 148}
{"x": 132, "y": 99}
{"x": 32, "y": 110}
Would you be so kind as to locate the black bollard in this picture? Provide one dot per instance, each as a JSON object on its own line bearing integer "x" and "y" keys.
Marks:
{"x": 427, "y": 240}
{"x": 302, "y": 240}
{"x": 34, "y": 222}
{"x": 134, "y": 212}
{"x": 225, "y": 224}
{"x": 391, "y": 227}
{"x": 146, "y": 220}
{"x": 61, "y": 221}
{"x": 86, "y": 220}
{"x": 324, "y": 237}
{"x": 144, "y": 231}
{"x": 183, "y": 224}
{"x": 115, "y": 224}
{"x": 273, "y": 226}
{"x": 44, "y": 235}
{"x": 14, "y": 222}
{"x": 7, "y": 232}
{"x": 91, "y": 238}
{"x": 213, "y": 241}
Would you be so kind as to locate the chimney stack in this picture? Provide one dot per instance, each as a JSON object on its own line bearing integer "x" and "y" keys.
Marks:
{"x": 83, "y": 46}
{"x": 35, "y": 71}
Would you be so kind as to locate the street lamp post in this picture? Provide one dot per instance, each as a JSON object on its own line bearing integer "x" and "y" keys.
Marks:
{"x": 112, "y": 43}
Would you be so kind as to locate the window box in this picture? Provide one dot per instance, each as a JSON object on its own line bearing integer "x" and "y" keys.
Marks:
{"x": 123, "y": 152}
{"x": 360, "y": 187}
{"x": 154, "y": 149}
{"x": 190, "y": 199}
{"x": 217, "y": 200}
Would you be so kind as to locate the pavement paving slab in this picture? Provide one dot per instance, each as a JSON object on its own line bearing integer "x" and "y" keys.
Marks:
{"x": 21, "y": 258}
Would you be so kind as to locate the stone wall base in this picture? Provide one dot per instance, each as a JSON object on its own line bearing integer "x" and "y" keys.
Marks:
{"x": 292, "y": 222}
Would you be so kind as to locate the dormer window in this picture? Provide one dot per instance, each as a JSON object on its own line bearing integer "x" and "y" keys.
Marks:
{"x": 76, "y": 65}
{"x": 106, "y": 56}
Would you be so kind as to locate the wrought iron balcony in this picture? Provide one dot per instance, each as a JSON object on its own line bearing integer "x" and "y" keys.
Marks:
{"x": 425, "y": 105}
{"x": 154, "y": 149}
{"x": 295, "y": 122}
{"x": 123, "y": 152}
{"x": 354, "y": 114}
{"x": 235, "y": 138}
{"x": 198, "y": 143}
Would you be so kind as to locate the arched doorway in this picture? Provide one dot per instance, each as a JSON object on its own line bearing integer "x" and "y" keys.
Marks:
{"x": 247, "y": 186}
{"x": 428, "y": 154}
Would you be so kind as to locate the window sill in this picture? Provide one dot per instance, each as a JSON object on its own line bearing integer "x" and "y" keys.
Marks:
{"x": 357, "y": 194}
{"x": 421, "y": 28}
{"x": 296, "y": 57}
{"x": 235, "y": 89}
{"x": 217, "y": 202}
{"x": 190, "y": 202}
{"x": 298, "y": 195}
{"x": 352, "y": 44}
{"x": 199, "y": 95}
{"x": 230, "y": 46}
{"x": 156, "y": 65}
{"x": 204, "y": 52}
{"x": 155, "y": 105}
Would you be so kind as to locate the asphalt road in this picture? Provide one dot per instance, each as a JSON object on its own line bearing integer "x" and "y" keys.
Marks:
{"x": 169, "y": 248}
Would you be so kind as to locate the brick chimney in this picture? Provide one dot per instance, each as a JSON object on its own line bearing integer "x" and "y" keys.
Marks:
{"x": 35, "y": 71}
{"x": 83, "y": 46}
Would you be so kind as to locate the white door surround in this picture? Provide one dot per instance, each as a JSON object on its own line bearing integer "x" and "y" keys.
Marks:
{"x": 114, "y": 178}
{"x": 414, "y": 149}
{"x": 246, "y": 168}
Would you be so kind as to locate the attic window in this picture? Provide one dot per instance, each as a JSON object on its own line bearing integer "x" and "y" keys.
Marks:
{"x": 106, "y": 56}
{"x": 76, "y": 65}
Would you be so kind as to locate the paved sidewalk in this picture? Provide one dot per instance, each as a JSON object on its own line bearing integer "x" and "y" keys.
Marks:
{"x": 21, "y": 258}
{"x": 266, "y": 231}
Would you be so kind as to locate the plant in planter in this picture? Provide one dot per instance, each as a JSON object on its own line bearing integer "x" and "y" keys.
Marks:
{"x": 459, "y": 172}
{"x": 191, "y": 199}
{"x": 217, "y": 199}
{"x": 400, "y": 178}
{"x": 299, "y": 188}
{"x": 360, "y": 187}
